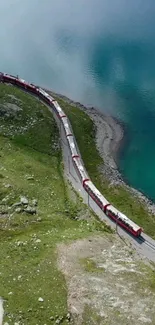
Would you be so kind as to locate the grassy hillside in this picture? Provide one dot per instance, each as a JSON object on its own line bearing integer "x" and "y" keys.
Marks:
{"x": 84, "y": 131}
{"x": 36, "y": 212}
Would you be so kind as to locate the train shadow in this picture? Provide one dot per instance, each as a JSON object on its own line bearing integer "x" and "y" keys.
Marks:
{"x": 140, "y": 239}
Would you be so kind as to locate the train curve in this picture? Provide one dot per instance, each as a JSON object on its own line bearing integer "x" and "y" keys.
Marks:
{"x": 77, "y": 175}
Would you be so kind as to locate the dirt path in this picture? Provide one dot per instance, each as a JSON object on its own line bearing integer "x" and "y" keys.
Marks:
{"x": 107, "y": 282}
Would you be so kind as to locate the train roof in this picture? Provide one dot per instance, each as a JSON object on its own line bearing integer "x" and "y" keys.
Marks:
{"x": 9, "y": 76}
{"x": 59, "y": 109}
{"x": 26, "y": 83}
{"x": 82, "y": 170}
{"x": 123, "y": 217}
{"x": 23, "y": 81}
{"x": 44, "y": 93}
{"x": 72, "y": 146}
{"x": 97, "y": 193}
{"x": 66, "y": 125}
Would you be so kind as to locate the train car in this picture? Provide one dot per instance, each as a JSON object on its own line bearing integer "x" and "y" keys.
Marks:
{"x": 27, "y": 86}
{"x": 72, "y": 147}
{"x": 95, "y": 194}
{"x": 45, "y": 96}
{"x": 66, "y": 126}
{"x": 1, "y": 77}
{"x": 89, "y": 187}
{"x": 19, "y": 82}
{"x": 9, "y": 78}
{"x": 59, "y": 111}
{"x": 32, "y": 88}
{"x": 80, "y": 169}
{"x": 123, "y": 220}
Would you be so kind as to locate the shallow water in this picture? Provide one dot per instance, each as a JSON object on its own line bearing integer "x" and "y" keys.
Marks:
{"x": 98, "y": 52}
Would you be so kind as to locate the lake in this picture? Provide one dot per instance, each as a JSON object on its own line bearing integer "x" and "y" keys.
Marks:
{"x": 101, "y": 53}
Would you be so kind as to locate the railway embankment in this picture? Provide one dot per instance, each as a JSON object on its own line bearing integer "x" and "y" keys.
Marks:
{"x": 99, "y": 137}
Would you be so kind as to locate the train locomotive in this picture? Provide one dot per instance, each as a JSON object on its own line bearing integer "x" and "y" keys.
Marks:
{"x": 107, "y": 208}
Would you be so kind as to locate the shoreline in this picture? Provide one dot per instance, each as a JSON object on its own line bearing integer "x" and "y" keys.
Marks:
{"x": 109, "y": 140}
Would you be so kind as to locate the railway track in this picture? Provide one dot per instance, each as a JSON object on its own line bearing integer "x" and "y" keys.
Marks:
{"x": 148, "y": 247}
{"x": 147, "y": 243}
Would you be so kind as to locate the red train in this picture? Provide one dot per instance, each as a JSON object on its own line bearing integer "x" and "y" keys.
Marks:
{"x": 89, "y": 187}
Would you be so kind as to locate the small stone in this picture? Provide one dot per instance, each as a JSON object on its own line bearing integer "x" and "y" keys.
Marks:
{"x": 24, "y": 200}
{"x": 38, "y": 240}
{"x": 8, "y": 185}
{"x": 34, "y": 202}
{"x": 51, "y": 318}
{"x": 17, "y": 204}
{"x": 10, "y": 293}
{"x": 18, "y": 210}
{"x": 41, "y": 299}
{"x": 30, "y": 178}
{"x": 30, "y": 210}
{"x": 61, "y": 318}
{"x": 19, "y": 243}
{"x": 68, "y": 316}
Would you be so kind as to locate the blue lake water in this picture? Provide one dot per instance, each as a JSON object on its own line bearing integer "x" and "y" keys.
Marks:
{"x": 101, "y": 53}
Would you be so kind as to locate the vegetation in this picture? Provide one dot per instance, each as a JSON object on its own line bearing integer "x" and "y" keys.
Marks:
{"x": 31, "y": 167}
{"x": 84, "y": 131}
{"x": 89, "y": 265}
{"x": 90, "y": 315}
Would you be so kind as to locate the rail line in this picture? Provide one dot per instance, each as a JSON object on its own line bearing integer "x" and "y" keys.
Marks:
{"x": 146, "y": 242}
{"x": 100, "y": 205}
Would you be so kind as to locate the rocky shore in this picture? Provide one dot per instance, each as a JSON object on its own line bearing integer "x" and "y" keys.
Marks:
{"x": 109, "y": 137}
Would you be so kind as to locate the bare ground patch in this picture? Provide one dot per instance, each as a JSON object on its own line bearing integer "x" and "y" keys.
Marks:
{"x": 107, "y": 282}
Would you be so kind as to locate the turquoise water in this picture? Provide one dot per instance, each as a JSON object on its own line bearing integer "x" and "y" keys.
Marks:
{"x": 101, "y": 53}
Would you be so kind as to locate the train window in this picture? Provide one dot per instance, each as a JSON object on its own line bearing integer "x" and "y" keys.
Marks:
{"x": 99, "y": 202}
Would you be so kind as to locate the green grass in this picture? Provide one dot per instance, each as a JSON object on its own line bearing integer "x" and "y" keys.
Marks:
{"x": 149, "y": 280}
{"x": 84, "y": 131}
{"x": 29, "y": 268}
